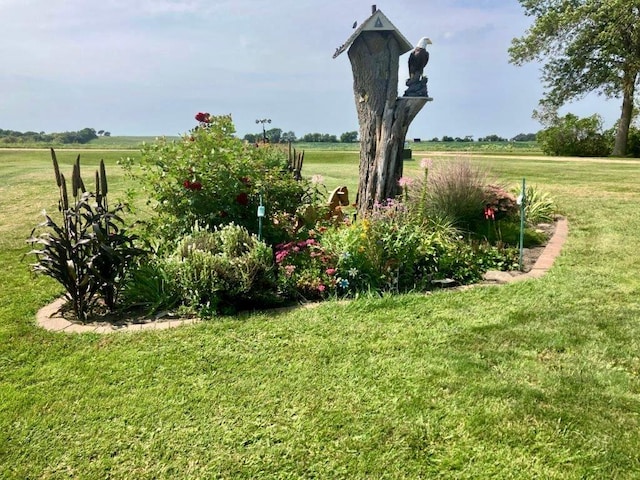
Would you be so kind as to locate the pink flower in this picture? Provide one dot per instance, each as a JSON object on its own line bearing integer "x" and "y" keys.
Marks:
{"x": 426, "y": 163}
{"x": 289, "y": 269}
{"x": 330, "y": 271}
{"x": 405, "y": 182}
{"x": 321, "y": 288}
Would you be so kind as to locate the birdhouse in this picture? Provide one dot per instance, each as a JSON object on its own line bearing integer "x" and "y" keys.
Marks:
{"x": 377, "y": 22}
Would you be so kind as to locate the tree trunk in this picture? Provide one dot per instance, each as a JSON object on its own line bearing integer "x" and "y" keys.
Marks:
{"x": 622, "y": 134}
{"x": 384, "y": 118}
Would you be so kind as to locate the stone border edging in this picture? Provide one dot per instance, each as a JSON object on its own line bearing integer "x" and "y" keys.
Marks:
{"x": 48, "y": 318}
{"x": 543, "y": 263}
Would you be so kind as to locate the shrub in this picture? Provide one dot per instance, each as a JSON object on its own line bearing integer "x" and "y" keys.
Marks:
{"x": 212, "y": 178}
{"x": 88, "y": 253}
{"x": 224, "y": 270}
{"x": 574, "y": 136}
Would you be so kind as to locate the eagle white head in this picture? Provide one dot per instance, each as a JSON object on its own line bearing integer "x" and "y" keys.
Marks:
{"x": 424, "y": 41}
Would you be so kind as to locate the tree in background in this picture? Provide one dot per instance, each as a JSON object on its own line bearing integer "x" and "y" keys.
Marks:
{"x": 349, "y": 137}
{"x": 585, "y": 46}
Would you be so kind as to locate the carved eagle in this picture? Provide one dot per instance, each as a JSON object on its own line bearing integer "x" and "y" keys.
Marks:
{"x": 419, "y": 58}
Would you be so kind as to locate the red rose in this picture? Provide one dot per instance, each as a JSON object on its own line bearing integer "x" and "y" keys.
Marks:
{"x": 202, "y": 117}
{"x": 196, "y": 186}
{"x": 242, "y": 199}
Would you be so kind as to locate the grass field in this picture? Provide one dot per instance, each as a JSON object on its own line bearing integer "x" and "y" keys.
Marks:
{"x": 539, "y": 379}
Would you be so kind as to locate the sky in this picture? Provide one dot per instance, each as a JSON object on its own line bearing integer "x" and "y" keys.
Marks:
{"x": 146, "y": 67}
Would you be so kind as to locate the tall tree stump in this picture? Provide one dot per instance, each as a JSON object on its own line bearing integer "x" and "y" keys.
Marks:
{"x": 374, "y": 52}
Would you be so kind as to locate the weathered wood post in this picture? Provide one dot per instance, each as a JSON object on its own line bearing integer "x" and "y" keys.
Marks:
{"x": 374, "y": 50}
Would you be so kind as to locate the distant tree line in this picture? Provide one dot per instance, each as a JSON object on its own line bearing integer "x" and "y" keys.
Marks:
{"x": 276, "y": 135}
{"x": 521, "y": 137}
{"x": 81, "y": 136}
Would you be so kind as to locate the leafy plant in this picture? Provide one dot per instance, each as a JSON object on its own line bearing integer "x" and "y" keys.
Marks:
{"x": 212, "y": 178}
{"x": 88, "y": 252}
{"x": 539, "y": 207}
{"x": 151, "y": 285}
{"x": 224, "y": 270}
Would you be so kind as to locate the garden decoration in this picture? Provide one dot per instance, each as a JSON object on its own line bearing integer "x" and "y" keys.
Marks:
{"x": 295, "y": 163}
{"x": 339, "y": 198}
{"x": 418, "y": 59}
{"x": 374, "y": 50}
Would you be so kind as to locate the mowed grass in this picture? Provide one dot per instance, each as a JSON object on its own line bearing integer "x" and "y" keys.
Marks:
{"x": 539, "y": 379}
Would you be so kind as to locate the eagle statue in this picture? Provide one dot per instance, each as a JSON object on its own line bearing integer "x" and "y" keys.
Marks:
{"x": 418, "y": 59}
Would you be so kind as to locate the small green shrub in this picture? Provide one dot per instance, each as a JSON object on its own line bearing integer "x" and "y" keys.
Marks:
{"x": 224, "y": 270}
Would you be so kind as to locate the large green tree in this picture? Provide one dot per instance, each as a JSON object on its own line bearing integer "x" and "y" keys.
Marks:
{"x": 585, "y": 46}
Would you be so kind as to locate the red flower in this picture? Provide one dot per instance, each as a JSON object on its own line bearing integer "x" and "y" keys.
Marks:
{"x": 189, "y": 185}
{"x": 489, "y": 213}
{"x": 242, "y": 199}
{"x": 202, "y": 117}
{"x": 246, "y": 181}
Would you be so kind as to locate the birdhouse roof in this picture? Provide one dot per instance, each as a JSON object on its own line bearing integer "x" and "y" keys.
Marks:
{"x": 376, "y": 22}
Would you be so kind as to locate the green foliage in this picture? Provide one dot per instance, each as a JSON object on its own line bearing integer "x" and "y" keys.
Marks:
{"x": 574, "y": 136}
{"x": 88, "y": 253}
{"x": 151, "y": 286}
{"x": 539, "y": 205}
{"x": 585, "y": 46}
{"x": 349, "y": 137}
{"x": 212, "y": 178}
{"x": 224, "y": 270}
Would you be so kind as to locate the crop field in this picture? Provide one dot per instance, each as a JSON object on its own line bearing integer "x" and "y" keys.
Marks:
{"x": 537, "y": 379}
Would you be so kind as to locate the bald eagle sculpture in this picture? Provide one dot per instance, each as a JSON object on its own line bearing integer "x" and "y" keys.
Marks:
{"x": 418, "y": 59}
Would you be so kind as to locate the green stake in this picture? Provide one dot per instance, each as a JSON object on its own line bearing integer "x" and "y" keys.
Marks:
{"x": 522, "y": 200}
{"x": 261, "y": 211}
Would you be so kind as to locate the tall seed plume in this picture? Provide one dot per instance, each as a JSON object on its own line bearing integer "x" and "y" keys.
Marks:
{"x": 103, "y": 179}
{"x": 65, "y": 197}
{"x": 75, "y": 183}
{"x": 98, "y": 193}
{"x": 56, "y": 167}
{"x": 80, "y": 182}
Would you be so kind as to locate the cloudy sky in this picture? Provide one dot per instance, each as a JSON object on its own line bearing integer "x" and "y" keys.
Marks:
{"x": 146, "y": 67}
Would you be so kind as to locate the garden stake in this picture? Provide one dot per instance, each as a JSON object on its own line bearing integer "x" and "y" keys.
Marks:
{"x": 522, "y": 201}
{"x": 260, "y": 217}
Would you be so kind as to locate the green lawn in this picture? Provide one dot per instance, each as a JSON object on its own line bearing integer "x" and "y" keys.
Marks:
{"x": 539, "y": 379}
